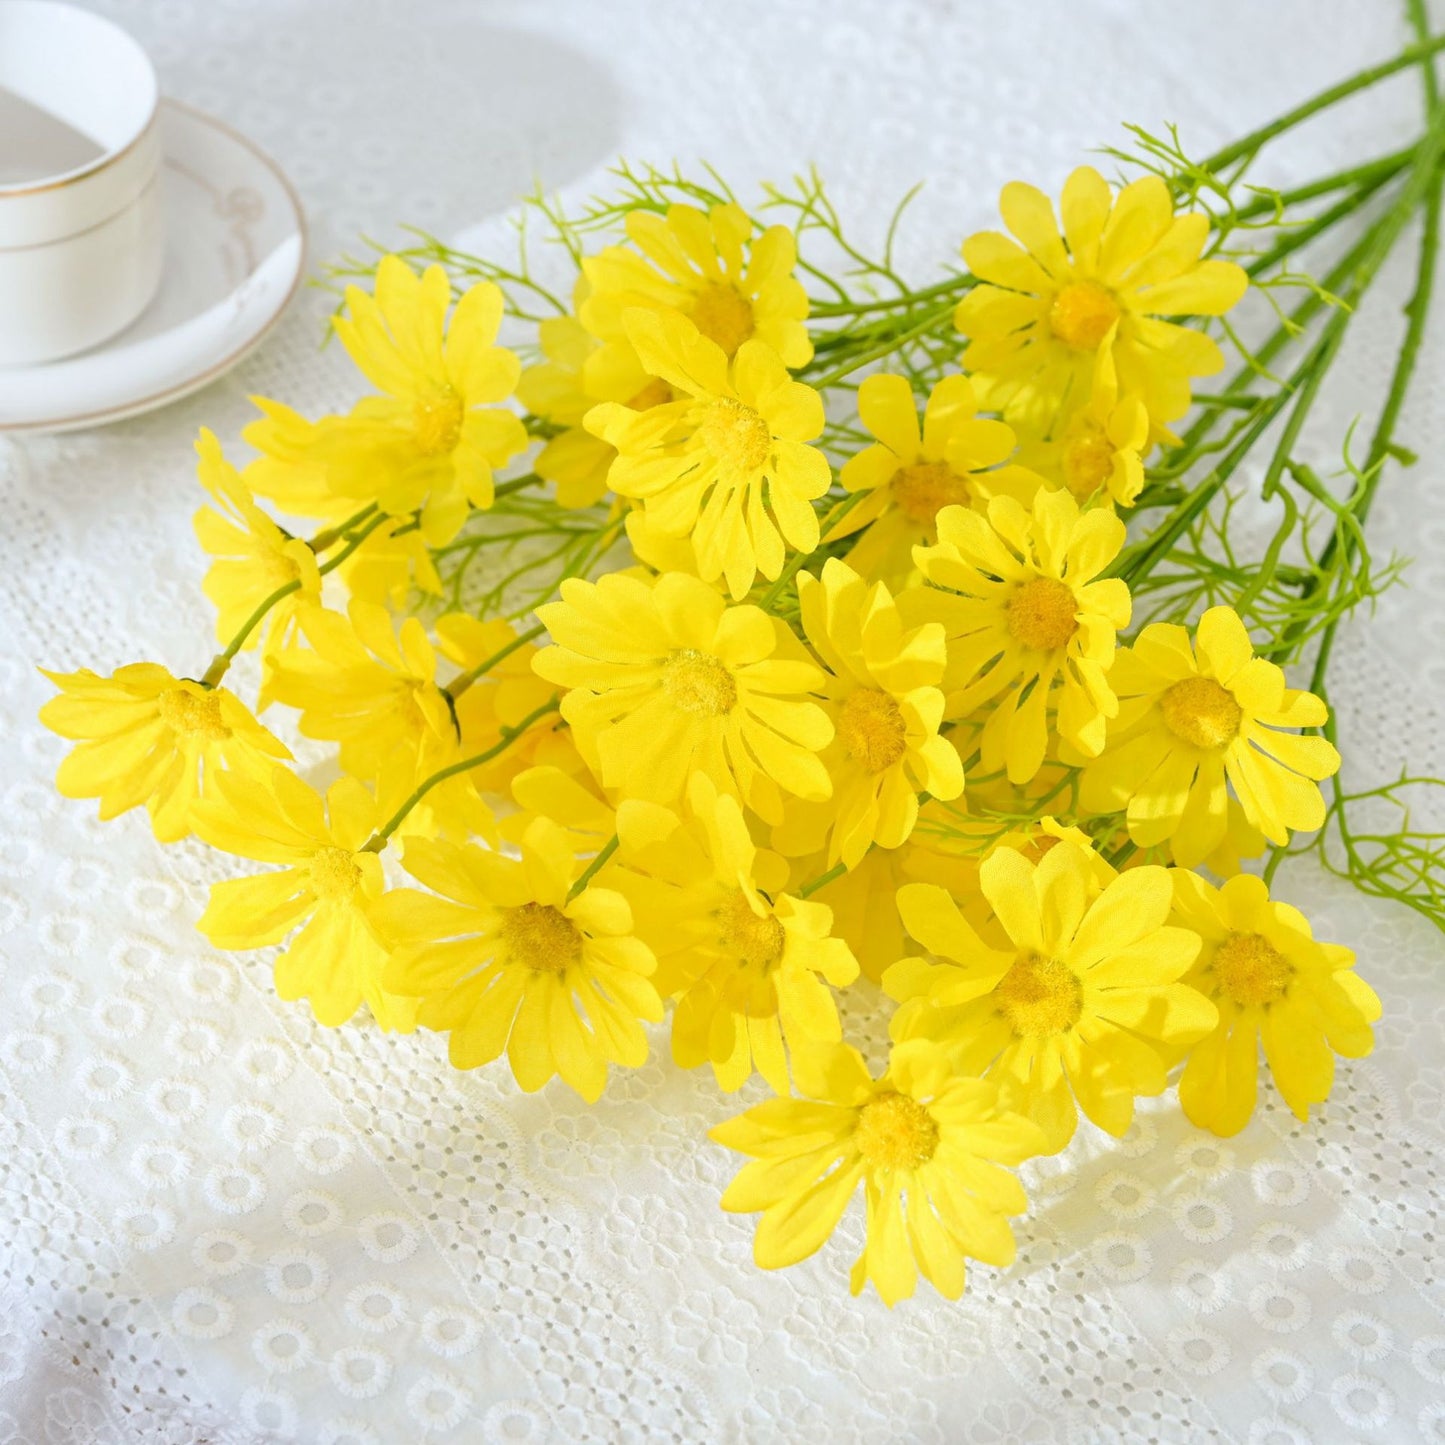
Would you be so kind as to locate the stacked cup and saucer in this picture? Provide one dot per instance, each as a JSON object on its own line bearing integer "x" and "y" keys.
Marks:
{"x": 144, "y": 247}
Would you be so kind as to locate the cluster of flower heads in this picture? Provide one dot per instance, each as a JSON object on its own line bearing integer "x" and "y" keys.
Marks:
{"x": 874, "y": 719}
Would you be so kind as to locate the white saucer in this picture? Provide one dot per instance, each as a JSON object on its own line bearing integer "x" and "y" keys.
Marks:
{"x": 235, "y": 249}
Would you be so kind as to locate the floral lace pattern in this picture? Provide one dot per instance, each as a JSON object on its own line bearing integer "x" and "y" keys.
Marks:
{"x": 221, "y": 1223}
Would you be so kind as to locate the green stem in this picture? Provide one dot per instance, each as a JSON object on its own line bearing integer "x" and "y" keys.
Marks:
{"x": 222, "y": 660}
{"x": 1360, "y": 268}
{"x": 594, "y": 867}
{"x": 887, "y": 347}
{"x": 1365, "y": 173}
{"x": 1135, "y": 562}
{"x": 458, "y": 685}
{"x": 954, "y": 286}
{"x": 1249, "y": 143}
{"x": 1344, "y": 544}
{"x": 822, "y": 880}
{"x": 517, "y": 484}
{"x": 1236, "y": 393}
{"x": 1417, "y": 311}
{"x": 1298, "y": 237}
{"x": 509, "y": 735}
{"x": 322, "y": 540}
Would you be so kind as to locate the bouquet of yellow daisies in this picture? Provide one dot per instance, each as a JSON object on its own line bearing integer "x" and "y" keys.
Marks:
{"x": 734, "y": 623}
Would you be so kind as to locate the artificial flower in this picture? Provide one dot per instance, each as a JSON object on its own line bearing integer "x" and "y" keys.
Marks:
{"x": 1047, "y": 303}
{"x": 149, "y": 738}
{"x": 927, "y": 1144}
{"x": 910, "y": 474}
{"x": 383, "y": 562}
{"x": 727, "y": 463}
{"x": 748, "y": 963}
{"x": 886, "y": 706}
{"x": 503, "y": 956}
{"x": 710, "y": 266}
{"x": 431, "y": 441}
{"x": 327, "y": 887}
{"x": 1030, "y": 630}
{"x": 1273, "y": 984}
{"x": 578, "y": 371}
{"x": 254, "y": 557}
{"x": 1193, "y": 719}
{"x": 1099, "y": 451}
{"x": 371, "y": 689}
{"x": 665, "y": 679}
{"x": 1073, "y": 1002}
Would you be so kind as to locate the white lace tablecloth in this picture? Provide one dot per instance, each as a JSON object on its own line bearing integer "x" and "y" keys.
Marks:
{"x": 221, "y": 1223}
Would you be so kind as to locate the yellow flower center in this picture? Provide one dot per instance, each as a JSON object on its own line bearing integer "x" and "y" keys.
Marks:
{"x": 736, "y": 435}
{"x": 925, "y": 488}
{"x": 1201, "y": 712}
{"x": 1088, "y": 460}
{"x": 753, "y": 938}
{"x": 193, "y": 714}
{"x": 1251, "y": 970}
{"x": 697, "y": 682}
{"x": 1041, "y": 614}
{"x": 1081, "y": 315}
{"x": 334, "y": 874}
{"x": 436, "y": 419}
{"x": 1039, "y": 997}
{"x": 540, "y": 937}
{"x": 723, "y": 315}
{"x": 872, "y": 729}
{"x": 656, "y": 393}
{"x": 895, "y": 1132}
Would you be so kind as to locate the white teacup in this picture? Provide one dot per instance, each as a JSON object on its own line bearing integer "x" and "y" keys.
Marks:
{"x": 81, "y": 232}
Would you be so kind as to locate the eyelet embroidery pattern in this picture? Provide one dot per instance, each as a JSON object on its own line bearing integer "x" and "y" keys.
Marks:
{"x": 211, "y": 1189}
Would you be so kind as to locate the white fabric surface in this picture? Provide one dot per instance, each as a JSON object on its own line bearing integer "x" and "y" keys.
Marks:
{"x": 220, "y": 1223}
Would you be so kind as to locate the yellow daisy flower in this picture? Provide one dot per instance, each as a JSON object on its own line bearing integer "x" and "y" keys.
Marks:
{"x": 1192, "y": 719}
{"x": 326, "y": 887}
{"x": 1047, "y": 302}
{"x": 910, "y": 473}
{"x": 504, "y": 956}
{"x": 579, "y": 371}
{"x": 389, "y": 562}
{"x": 748, "y": 964}
{"x": 927, "y": 1145}
{"x": 371, "y": 690}
{"x": 1029, "y": 629}
{"x": 1273, "y": 983}
{"x": 665, "y": 679}
{"x": 886, "y": 707}
{"x": 435, "y": 435}
{"x": 254, "y": 557}
{"x": 149, "y": 738}
{"x": 1081, "y": 999}
{"x": 1100, "y": 448}
{"x": 727, "y": 463}
{"x": 733, "y": 285}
